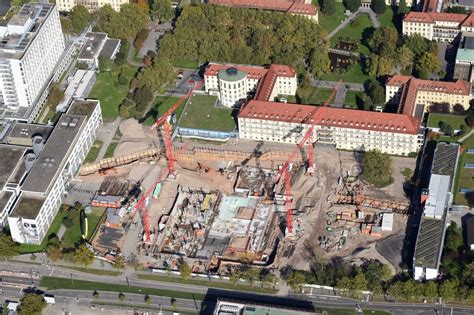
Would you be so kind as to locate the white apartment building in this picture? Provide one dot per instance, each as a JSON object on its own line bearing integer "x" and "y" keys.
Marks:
{"x": 39, "y": 180}
{"x": 442, "y": 27}
{"x": 414, "y": 95}
{"x": 91, "y": 5}
{"x": 234, "y": 84}
{"x": 31, "y": 45}
{"x": 346, "y": 129}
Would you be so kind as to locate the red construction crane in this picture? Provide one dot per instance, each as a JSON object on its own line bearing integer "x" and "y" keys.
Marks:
{"x": 169, "y": 152}
{"x": 285, "y": 171}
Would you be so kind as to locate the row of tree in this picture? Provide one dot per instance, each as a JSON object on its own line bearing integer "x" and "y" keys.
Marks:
{"x": 216, "y": 33}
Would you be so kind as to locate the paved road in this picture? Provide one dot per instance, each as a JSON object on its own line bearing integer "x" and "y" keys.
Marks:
{"x": 372, "y": 16}
{"x": 466, "y": 136}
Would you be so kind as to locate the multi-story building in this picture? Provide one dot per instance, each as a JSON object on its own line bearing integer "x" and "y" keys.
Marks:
{"x": 98, "y": 45}
{"x": 234, "y": 84}
{"x": 442, "y": 27}
{"x": 414, "y": 95}
{"x": 345, "y": 129}
{"x": 91, "y": 5}
{"x": 296, "y": 7}
{"x": 41, "y": 162}
{"x": 465, "y": 58}
{"x": 436, "y": 200}
{"x": 31, "y": 46}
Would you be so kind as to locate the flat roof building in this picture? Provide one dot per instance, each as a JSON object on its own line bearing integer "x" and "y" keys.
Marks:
{"x": 38, "y": 174}
{"x": 465, "y": 58}
{"x": 98, "y": 45}
{"x": 31, "y": 46}
{"x": 430, "y": 238}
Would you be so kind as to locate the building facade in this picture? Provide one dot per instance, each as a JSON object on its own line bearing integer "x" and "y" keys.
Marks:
{"x": 234, "y": 84}
{"x": 91, "y": 5}
{"x": 441, "y": 27}
{"x": 303, "y": 8}
{"x": 43, "y": 181}
{"x": 32, "y": 45}
{"x": 346, "y": 129}
{"x": 413, "y": 95}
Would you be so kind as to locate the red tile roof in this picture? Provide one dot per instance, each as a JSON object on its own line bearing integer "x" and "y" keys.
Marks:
{"x": 430, "y": 5}
{"x": 269, "y": 75}
{"x": 469, "y": 21}
{"x": 412, "y": 85}
{"x": 253, "y": 72}
{"x": 335, "y": 117}
{"x": 431, "y": 17}
{"x": 295, "y": 7}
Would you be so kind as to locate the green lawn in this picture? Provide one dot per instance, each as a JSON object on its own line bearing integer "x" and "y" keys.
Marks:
{"x": 291, "y": 98}
{"x": 464, "y": 177}
{"x": 93, "y": 152}
{"x": 354, "y": 33}
{"x": 200, "y": 113}
{"x": 212, "y": 284}
{"x": 100, "y": 272}
{"x": 53, "y": 283}
{"x": 354, "y": 75}
{"x": 330, "y": 22}
{"x": 390, "y": 19}
{"x": 110, "y": 150}
{"x": 354, "y": 99}
{"x": 454, "y": 120}
{"x": 313, "y": 96}
{"x": 162, "y": 104}
{"x": 53, "y": 229}
{"x": 186, "y": 64}
{"x": 73, "y": 234}
{"x": 109, "y": 92}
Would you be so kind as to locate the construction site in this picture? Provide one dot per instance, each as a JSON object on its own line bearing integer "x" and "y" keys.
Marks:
{"x": 218, "y": 205}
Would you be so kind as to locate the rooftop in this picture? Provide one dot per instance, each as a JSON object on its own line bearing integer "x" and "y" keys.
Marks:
{"x": 22, "y": 29}
{"x": 110, "y": 47}
{"x": 93, "y": 46}
{"x": 438, "y": 196}
{"x": 432, "y": 17}
{"x": 11, "y": 156}
{"x": 4, "y": 197}
{"x": 231, "y": 74}
{"x": 429, "y": 243}
{"x": 49, "y": 161}
{"x": 27, "y": 207}
{"x": 27, "y": 131}
{"x": 445, "y": 159}
{"x": 336, "y": 117}
{"x": 82, "y": 107}
{"x": 295, "y": 7}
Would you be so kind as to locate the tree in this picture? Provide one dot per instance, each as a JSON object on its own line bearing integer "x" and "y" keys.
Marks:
{"x": 379, "y": 6}
{"x": 122, "y": 79}
{"x": 430, "y": 290}
{"x": 377, "y": 168}
{"x": 234, "y": 276}
{"x": 402, "y": 7}
{"x": 359, "y": 282}
{"x": 328, "y": 7}
{"x": 121, "y": 296}
{"x": 295, "y": 280}
{"x": 119, "y": 262}
{"x": 396, "y": 289}
{"x": 31, "y": 304}
{"x": 67, "y": 222}
{"x": 439, "y": 108}
{"x": 319, "y": 62}
{"x": 54, "y": 252}
{"x": 376, "y": 92}
{"x": 446, "y": 128}
{"x": 251, "y": 274}
{"x": 105, "y": 64}
{"x": 470, "y": 121}
{"x": 383, "y": 41}
{"x": 55, "y": 95}
{"x": 157, "y": 76}
{"x": 66, "y": 25}
{"x": 163, "y": 9}
{"x": 147, "y": 299}
{"x": 142, "y": 97}
{"x": 344, "y": 283}
{"x": 352, "y": 5}
{"x": 95, "y": 294}
{"x": 458, "y": 109}
{"x": 132, "y": 18}
{"x": 270, "y": 278}
{"x": 405, "y": 56}
{"x": 379, "y": 66}
{"x": 19, "y": 3}
{"x": 80, "y": 18}
{"x": 8, "y": 248}
{"x": 185, "y": 270}
{"x": 83, "y": 256}
{"x": 448, "y": 289}
{"x": 127, "y": 109}
{"x": 427, "y": 63}
{"x": 140, "y": 38}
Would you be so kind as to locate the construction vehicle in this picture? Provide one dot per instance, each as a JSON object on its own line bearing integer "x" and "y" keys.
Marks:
{"x": 285, "y": 171}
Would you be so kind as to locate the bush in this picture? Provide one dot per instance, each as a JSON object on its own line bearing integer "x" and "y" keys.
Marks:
{"x": 328, "y": 7}
{"x": 122, "y": 79}
{"x": 67, "y": 222}
{"x": 352, "y": 5}
{"x": 127, "y": 109}
{"x": 377, "y": 168}
{"x": 458, "y": 109}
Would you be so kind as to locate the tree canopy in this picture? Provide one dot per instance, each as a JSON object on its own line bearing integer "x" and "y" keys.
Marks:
{"x": 31, "y": 304}
{"x": 80, "y": 18}
{"x": 379, "y": 6}
{"x": 8, "y": 247}
{"x": 352, "y": 5}
{"x": 163, "y": 9}
{"x": 328, "y": 7}
{"x": 237, "y": 35}
{"x": 377, "y": 168}
{"x": 124, "y": 24}
{"x": 83, "y": 256}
